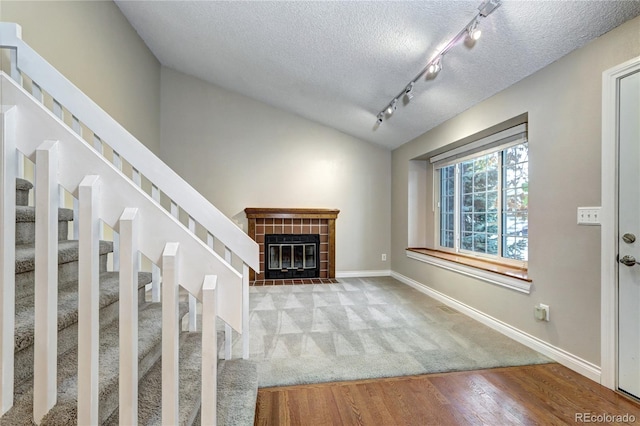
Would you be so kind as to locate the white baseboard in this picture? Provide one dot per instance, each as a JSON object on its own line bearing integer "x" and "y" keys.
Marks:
{"x": 559, "y": 355}
{"x": 358, "y": 274}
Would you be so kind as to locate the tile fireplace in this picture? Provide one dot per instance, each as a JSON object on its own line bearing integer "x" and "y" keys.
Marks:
{"x": 295, "y": 243}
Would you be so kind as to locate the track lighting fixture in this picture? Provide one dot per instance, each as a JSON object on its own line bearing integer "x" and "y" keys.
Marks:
{"x": 434, "y": 66}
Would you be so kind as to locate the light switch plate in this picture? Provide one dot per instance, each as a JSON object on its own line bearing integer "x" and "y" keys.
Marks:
{"x": 588, "y": 215}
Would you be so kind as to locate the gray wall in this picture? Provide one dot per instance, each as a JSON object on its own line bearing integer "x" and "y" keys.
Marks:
{"x": 241, "y": 153}
{"x": 92, "y": 44}
{"x": 563, "y": 102}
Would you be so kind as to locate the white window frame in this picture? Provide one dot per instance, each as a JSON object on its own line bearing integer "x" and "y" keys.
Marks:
{"x": 494, "y": 143}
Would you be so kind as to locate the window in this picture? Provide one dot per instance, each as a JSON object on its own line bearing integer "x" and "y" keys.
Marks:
{"x": 483, "y": 197}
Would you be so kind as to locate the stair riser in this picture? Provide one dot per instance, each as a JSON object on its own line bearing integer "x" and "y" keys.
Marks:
{"x": 26, "y": 232}
{"x": 67, "y": 340}
{"x": 22, "y": 198}
{"x": 67, "y": 272}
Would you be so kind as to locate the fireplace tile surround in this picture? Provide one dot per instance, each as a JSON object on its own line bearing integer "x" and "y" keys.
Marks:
{"x": 264, "y": 221}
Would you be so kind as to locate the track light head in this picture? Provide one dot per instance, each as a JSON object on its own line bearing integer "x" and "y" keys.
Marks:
{"x": 435, "y": 66}
{"x": 409, "y": 91}
{"x": 473, "y": 32}
{"x": 392, "y": 107}
{"x": 380, "y": 117}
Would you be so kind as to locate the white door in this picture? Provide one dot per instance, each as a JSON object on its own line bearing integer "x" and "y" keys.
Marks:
{"x": 629, "y": 235}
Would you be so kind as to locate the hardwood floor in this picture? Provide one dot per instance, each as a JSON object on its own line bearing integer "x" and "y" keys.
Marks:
{"x": 548, "y": 394}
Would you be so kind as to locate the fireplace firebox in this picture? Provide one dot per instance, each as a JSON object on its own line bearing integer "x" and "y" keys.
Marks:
{"x": 292, "y": 256}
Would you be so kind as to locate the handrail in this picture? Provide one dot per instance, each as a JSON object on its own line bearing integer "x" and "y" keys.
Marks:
{"x": 123, "y": 142}
{"x": 78, "y": 159}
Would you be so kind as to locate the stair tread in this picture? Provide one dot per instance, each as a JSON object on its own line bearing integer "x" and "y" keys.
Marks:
{"x": 67, "y": 306}
{"x": 65, "y": 411}
{"x": 23, "y": 185}
{"x": 28, "y": 214}
{"x": 150, "y": 387}
{"x": 237, "y": 392}
{"x": 67, "y": 252}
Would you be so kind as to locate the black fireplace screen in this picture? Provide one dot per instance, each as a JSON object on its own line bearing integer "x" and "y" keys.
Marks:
{"x": 292, "y": 256}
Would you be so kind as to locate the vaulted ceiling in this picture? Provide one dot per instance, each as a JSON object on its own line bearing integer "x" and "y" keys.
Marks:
{"x": 340, "y": 63}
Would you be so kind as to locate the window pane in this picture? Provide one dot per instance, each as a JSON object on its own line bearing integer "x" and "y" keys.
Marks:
{"x": 480, "y": 205}
{"x": 479, "y": 222}
{"x": 467, "y": 203}
{"x": 447, "y": 199}
{"x": 515, "y": 223}
{"x": 479, "y": 243}
{"x": 466, "y": 243}
{"x": 467, "y": 177}
{"x": 492, "y": 201}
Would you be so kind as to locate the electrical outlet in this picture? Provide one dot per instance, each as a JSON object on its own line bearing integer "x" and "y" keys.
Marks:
{"x": 541, "y": 312}
{"x": 384, "y": 257}
{"x": 588, "y": 215}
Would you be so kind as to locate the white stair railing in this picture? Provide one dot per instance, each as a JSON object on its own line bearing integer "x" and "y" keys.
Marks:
{"x": 28, "y": 68}
{"x": 202, "y": 270}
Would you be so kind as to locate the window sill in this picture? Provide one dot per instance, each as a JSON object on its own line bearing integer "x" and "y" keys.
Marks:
{"x": 495, "y": 273}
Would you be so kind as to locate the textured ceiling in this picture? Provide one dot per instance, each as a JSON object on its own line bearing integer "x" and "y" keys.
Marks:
{"x": 339, "y": 63}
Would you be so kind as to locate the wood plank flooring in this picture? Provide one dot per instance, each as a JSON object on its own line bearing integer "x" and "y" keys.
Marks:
{"x": 548, "y": 394}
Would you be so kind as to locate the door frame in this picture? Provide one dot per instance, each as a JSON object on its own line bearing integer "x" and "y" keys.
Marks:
{"x": 609, "y": 222}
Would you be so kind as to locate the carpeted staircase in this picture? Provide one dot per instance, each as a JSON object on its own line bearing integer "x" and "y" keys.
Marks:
{"x": 237, "y": 379}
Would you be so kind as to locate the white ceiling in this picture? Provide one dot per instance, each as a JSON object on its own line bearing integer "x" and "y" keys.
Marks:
{"x": 339, "y": 63}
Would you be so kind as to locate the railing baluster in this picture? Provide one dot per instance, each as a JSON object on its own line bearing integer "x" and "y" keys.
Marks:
{"x": 76, "y": 223}
{"x": 116, "y": 251}
{"x": 16, "y": 75}
{"x": 36, "y": 91}
{"x": 20, "y": 168}
{"x": 88, "y": 300}
{"x": 155, "y": 269}
{"x": 245, "y": 311}
{"x": 193, "y": 302}
{"x": 175, "y": 212}
{"x": 228, "y": 331}
{"x": 7, "y": 253}
{"x": 209, "y": 380}
{"x": 117, "y": 161}
{"x": 46, "y": 281}
{"x": 75, "y": 125}
{"x": 155, "y": 283}
{"x": 170, "y": 333}
{"x": 137, "y": 179}
{"x": 57, "y": 110}
{"x": 128, "y": 383}
{"x": 97, "y": 144}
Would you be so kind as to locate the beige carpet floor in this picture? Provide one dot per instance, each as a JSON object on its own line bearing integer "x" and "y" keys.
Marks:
{"x": 366, "y": 328}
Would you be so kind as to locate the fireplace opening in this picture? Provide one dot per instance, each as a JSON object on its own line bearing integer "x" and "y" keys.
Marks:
{"x": 292, "y": 256}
